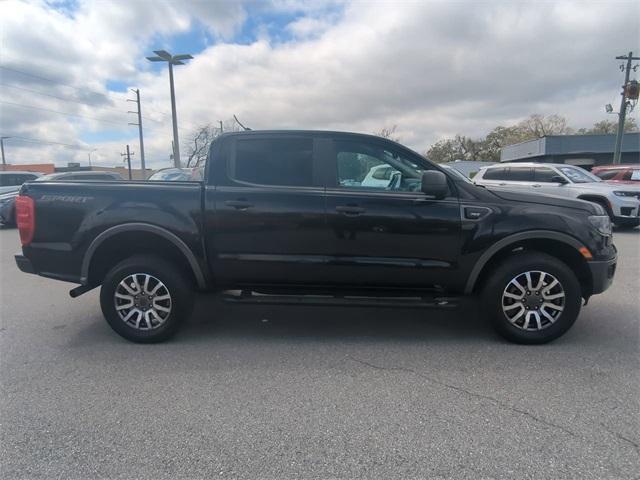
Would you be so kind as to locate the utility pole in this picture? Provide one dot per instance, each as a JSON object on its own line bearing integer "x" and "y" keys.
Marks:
{"x": 90, "y": 152}
{"x": 139, "y": 124}
{"x": 128, "y": 155}
{"x": 623, "y": 104}
{"x": 164, "y": 56}
{"x": 4, "y": 162}
{"x": 221, "y": 129}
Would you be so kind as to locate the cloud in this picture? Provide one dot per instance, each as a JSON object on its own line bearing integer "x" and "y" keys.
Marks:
{"x": 433, "y": 68}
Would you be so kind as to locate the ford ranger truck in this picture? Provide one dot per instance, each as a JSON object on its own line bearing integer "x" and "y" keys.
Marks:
{"x": 287, "y": 217}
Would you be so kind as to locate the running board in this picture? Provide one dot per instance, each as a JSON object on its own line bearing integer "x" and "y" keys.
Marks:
{"x": 250, "y": 297}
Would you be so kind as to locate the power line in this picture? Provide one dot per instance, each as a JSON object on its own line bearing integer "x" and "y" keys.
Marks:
{"x": 53, "y": 81}
{"x": 164, "y": 114}
{"x": 94, "y": 92}
{"x": 67, "y": 99}
{"x": 47, "y": 142}
{"x": 59, "y": 112}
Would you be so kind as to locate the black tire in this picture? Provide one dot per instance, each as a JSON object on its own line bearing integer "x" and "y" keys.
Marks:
{"x": 626, "y": 223}
{"x": 512, "y": 267}
{"x": 604, "y": 204}
{"x": 177, "y": 284}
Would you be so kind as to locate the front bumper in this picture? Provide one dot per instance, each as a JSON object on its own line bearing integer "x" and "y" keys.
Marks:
{"x": 602, "y": 273}
{"x": 24, "y": 264}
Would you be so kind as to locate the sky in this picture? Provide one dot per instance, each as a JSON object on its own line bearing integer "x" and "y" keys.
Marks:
{"x": 433, "y": 68}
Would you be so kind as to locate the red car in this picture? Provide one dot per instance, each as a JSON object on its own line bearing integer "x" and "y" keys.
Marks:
{"x": 618, "y": 173}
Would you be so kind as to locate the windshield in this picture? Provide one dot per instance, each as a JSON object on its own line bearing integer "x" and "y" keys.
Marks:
{"x": 46, "y": 178}
{"x": 578, "y": 175}
{"x": 171, "y": 176}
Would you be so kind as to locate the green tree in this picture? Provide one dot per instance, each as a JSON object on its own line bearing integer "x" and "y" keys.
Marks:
{"x": 609, "y": 127}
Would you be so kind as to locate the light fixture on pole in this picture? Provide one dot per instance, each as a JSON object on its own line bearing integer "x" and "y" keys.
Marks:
{"x": 164, "y": 56}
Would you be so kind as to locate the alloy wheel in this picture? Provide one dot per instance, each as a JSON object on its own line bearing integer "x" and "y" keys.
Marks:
{"x": 142, "y": 301}
{"x": 533, "y": 300}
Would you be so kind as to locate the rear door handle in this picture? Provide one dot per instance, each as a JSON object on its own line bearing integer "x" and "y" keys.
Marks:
{"x": 238, "y": 204}
{"x": 350, "y": 209}
{"x": 537, "y": 185}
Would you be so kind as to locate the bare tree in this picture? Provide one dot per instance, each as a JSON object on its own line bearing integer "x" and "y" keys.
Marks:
{"x": 200, "y": 141}
{"x": 538, "y": 126}
{"x": 388, "y": 132}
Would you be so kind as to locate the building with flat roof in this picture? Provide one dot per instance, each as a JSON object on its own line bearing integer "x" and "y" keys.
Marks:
{"x": 583, "y": 150}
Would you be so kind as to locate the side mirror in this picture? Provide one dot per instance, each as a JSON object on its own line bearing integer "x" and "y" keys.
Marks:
{"x": 559, "y": 179}
{"x": 434, "y": 184}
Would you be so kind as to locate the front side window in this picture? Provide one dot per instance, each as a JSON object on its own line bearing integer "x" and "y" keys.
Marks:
{"x": 274, "y": 161}
{"x": 369, "y": 166}
{"x": 545, "y": 175}
{"x": 577, "y": 175}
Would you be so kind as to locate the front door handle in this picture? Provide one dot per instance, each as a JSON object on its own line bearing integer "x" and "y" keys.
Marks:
{"x": 350, "y": 209}
{"x": 238, "y": 204}
{"x": 537, "y": 185}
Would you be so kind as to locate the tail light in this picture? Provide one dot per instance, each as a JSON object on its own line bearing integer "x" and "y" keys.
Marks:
{"x": 25, "y": 218}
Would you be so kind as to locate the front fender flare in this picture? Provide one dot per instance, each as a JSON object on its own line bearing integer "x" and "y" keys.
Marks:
{"x": 512, "y": 240}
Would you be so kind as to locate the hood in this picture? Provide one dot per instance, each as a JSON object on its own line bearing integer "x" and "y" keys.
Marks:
{"x": 606, "y": 187}
{"x": 551, "y": 200}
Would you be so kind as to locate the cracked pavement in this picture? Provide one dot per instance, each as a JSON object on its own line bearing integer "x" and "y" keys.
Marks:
{"x": 277, "y": 392}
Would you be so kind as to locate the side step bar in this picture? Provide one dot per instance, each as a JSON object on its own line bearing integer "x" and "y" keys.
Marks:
{"x": 250, "y": 297}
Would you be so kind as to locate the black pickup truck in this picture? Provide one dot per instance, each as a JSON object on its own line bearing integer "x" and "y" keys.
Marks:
{"x": 314, "y": 217}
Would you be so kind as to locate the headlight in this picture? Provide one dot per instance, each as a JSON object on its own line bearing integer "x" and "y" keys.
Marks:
{"x": 625, "y": 194}
{"x": 602, "y": 223}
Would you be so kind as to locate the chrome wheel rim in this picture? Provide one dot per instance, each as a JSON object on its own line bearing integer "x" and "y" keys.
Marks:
{"x": 533, "y": 300}
{"x": 142, "y": 301}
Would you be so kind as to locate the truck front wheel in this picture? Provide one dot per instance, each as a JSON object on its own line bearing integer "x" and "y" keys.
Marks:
{"x": 145, "y": 299}
{"x": 532, "y": 298}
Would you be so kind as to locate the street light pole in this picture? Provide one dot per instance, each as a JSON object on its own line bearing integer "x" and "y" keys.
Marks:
{"x": 174, "y": 118}
{"x": 164, "y": 56}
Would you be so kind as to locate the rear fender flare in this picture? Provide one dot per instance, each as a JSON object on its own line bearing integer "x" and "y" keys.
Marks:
{"x": 148, "y": 228}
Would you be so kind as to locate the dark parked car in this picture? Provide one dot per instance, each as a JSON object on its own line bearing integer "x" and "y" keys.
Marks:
{"x": 284, "y": 217}
{"x": 12, "y": 180}
{"x": 8, "y": 200}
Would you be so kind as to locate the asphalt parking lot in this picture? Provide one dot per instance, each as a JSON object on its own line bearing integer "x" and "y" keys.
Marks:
{"x": 323, "y": 392}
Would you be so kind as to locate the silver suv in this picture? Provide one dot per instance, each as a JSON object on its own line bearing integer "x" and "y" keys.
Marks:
{"x": 622, "y": 202}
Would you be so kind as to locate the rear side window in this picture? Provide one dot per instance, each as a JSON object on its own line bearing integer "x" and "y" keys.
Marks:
{"x": 11, "y": 180}
{"x": 632, "y": 175}
{"x": 495, "y": 174}
{"x": 520, "y": 174}
{"x": 274, "y": 161}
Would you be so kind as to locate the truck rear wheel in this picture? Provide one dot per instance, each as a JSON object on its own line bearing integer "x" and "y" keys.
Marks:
{"x": 532, "y": 298}
{"x": 145, "y": 299}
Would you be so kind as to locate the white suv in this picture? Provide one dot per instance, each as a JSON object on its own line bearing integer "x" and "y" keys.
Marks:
{"x": 622, "y": 202}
